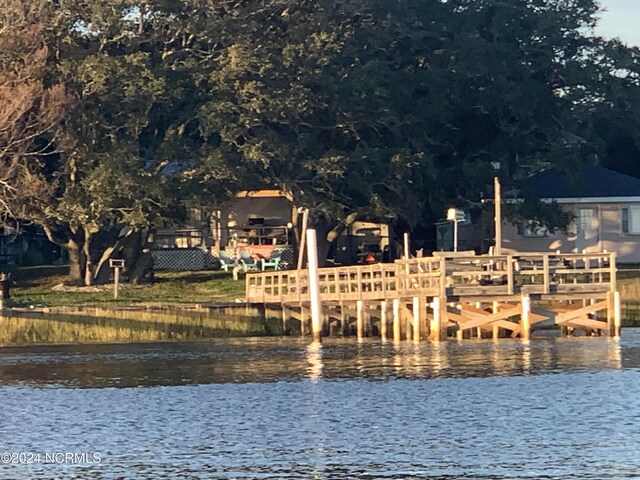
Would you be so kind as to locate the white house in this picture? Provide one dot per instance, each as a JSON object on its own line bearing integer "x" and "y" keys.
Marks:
{"x": 606, "y": 208}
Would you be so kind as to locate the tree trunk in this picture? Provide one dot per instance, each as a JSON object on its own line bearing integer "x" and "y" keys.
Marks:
{"x": 142, "y": 269}
{"x": 76, "y": 270}
{"x": 71, "y": 241}
{"x": 88, "y": 266}
{"x": 132, "y": 246}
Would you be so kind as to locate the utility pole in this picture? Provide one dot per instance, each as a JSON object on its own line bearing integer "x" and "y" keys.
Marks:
{"x": 303, "y": 236}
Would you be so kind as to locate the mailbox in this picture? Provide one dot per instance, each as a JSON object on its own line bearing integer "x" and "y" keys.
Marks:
{"x": 116, "y": 263}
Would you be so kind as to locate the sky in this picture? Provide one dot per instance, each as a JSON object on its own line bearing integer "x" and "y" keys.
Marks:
{"x": 622, "y": 20}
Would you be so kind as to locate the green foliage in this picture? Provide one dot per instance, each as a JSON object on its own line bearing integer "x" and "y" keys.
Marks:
{"x": 396, "y": 108}
{"x": 367, "y": 107}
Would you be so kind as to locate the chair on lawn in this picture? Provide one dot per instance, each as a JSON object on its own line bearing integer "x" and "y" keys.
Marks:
{"x": 272, "y": 261}
{"x": 226, "y": 262}
{"x": 248, "y": 262}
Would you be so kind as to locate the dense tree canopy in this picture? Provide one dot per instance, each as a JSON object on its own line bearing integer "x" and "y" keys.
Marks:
{"x": 398, "y": 109}
{"x": 392, "y": 110}
{"x": 30, "y": 110}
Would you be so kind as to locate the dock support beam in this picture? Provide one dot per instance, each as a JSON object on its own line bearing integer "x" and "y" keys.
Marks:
{"x": 525, "y": 324}
{"x": 436, "y": 323}
{"x": 359, "y": 319}
{"x": 383, "y": 319}
{"x": 396, "y": 320}
{"x": 417, "y": 319}
{"x": 285, "y": 320}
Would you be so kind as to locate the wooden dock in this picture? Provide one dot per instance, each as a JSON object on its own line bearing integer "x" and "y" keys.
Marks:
{"x": 461, "y": 296}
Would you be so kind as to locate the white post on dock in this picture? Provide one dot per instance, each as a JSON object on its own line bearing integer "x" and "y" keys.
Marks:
{"x": 525, "y": 324}
{"x": 314, "y": 285}
{"x": 396, "y": 320}
{"x": 436, "y": 323}
{"x": 617, "y": 314}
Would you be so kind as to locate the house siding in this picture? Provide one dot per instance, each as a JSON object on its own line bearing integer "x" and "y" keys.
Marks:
{"x": 610, "y": 236}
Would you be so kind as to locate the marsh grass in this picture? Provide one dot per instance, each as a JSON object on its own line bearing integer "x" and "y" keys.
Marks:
{"x": 108, "y": 326}
{"x": 157, "y": 311}
{"x": 629, "y": 288}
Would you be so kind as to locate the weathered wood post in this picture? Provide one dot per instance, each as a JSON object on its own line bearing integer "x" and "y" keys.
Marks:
{"x": 303, "y": 235}
{"x": 408, "y": 321}
{"x": 383, "y": 319}
{"x": 525, "y": 323}
{"x": 116, "y": 264}
{"x": 477, "y": 330}
{"x": 359, "y": 319}
{"x": 497, "y": 205}
{"x": 436, "y": 322}
{"x": 407, "y": 253}
{"x": 611, "y": 329}
{"x": 344, "y": 318}
{"x": 417, "y": 318}
{"x": 314, "y": 285}
{"x": 303, "y": 320}
{"x": 496, "y": 329}
{"x": 396, "y": 320}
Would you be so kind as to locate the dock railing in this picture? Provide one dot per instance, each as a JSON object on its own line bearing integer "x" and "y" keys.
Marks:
{"x": 442, "y": 276}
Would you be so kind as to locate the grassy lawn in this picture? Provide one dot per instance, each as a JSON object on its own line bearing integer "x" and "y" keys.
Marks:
{"x": 33, "y": 286}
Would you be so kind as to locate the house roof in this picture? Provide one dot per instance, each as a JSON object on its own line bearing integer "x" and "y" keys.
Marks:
{"x": 590, "y": 181}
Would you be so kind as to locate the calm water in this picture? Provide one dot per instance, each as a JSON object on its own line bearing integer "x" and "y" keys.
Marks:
{"x": 279, "y": 408}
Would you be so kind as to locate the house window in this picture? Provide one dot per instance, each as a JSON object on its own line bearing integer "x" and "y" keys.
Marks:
{"x": 533, "y": 229}
{"x": 630, "y": 220}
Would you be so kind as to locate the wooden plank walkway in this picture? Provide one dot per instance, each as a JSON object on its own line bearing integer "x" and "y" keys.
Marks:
{"x": 480, "y": 292}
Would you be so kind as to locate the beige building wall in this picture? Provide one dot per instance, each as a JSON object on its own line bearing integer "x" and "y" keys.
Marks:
{"x": 607, "y": 228}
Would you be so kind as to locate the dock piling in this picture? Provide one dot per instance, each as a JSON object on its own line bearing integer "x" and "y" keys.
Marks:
{"x": 383, "y": 319}
{"x": 525, "y": 322}
{"x": 417, "y": 319}
{"x": 617, "y": 317}
{"x": 396, "y": 320}
{"x": 359, "y": 319}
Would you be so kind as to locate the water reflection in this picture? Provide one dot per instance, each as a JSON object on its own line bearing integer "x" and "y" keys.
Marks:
{"x": 615, "y": 352}
{"x": 283, "y": 408}
{"x": 526, "y": 356}
{"x": 275, "y": 359}
{"x": 314, "y": 359}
